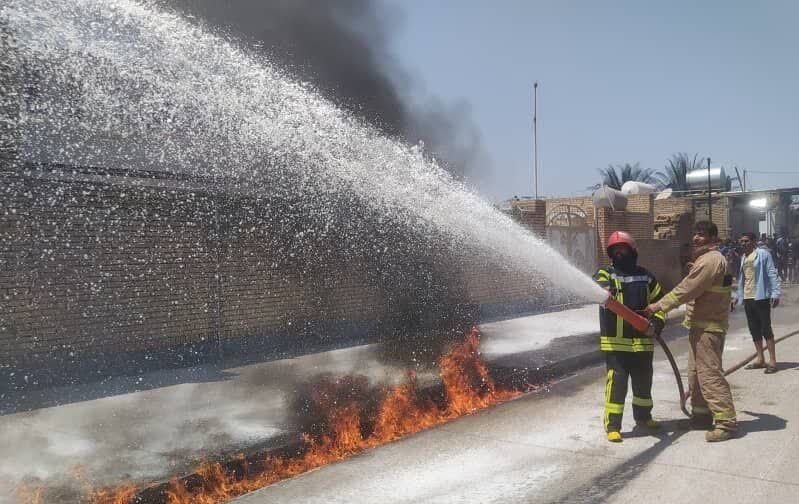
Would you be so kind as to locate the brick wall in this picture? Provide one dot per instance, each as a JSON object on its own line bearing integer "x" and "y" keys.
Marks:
{"x": 637, "y": 220}
{"x": 720, "y": 210}
{"x": 697, "y": 207}
{"x": 93, "y": 272}
{"x": 532, "y": 214}
{"x": 102, "y": 267}
{"x": 663, "y": 258}
{"x": 98, "y": 268}
{"x": 673, "y": 205}
{"x": 640, "y": 203}
{"x": 585, "y": 203}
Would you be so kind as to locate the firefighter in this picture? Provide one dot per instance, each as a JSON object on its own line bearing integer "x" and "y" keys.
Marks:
{"x": 628, "y": 353}
{"x": 706, "y": 291}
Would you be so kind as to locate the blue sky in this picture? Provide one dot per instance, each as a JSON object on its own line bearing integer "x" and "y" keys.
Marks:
{"x": 620, "y": 81}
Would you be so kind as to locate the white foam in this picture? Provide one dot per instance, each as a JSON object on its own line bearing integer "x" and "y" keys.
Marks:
{"x": 156, "y": 92}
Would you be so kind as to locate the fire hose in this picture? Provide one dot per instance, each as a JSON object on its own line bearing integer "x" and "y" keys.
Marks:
{"x": 644, "y": 326}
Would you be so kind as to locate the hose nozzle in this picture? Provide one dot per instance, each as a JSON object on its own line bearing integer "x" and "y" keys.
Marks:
{"x": 639, "y": 323}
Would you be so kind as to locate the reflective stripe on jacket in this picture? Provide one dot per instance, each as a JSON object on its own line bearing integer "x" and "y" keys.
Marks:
{"x": 635, "y": 290}
{"x": 706, "y": 292}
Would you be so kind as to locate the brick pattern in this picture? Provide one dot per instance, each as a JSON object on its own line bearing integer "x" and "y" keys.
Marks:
{"x": 697, "y": 206}
{"x": 101, "y": 267}
{"x": 663, "y": 258}
{"x": 673, "y": 205}
{"x": 486, "y": 283}
{"x": 641, "y": 203}
{"x": 637, "y": 219}
{"x": 532, "y": 214}
{"x": 585, "y": 203}
{"x": 720, "y": 210}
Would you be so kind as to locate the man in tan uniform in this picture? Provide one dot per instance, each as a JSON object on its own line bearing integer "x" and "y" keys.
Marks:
{"x": 706, "y": 291}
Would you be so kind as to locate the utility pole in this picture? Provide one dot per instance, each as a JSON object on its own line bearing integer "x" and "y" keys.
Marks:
{"x": 535, "y": 137}
{"x": 709, "y": 197}
{"x": 738, "y": 176}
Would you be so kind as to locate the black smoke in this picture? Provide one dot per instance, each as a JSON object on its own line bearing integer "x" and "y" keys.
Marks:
{"x": 342, "y": 48}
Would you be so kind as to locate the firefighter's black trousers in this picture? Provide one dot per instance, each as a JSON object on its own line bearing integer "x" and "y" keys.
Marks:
{"x": 620, "y": 366}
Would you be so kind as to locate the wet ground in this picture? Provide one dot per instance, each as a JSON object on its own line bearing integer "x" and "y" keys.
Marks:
{"x": 550, "y": 447}
{"x": 156, "y": 425}
{"x": 153, "y": 426}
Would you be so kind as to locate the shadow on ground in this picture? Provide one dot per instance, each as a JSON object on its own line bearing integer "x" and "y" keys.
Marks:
{"x": 604, "y": 486}
{"x": 762, "y": 422}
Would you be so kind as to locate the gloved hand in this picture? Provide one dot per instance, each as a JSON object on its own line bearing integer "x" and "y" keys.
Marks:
{"x": 657, "y": 325}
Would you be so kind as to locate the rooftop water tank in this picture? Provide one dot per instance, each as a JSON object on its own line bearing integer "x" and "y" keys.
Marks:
{"x": 633, "y": 187}
{"x": 664, "y": 194}
{"x": 697, "y": 179}
{"x": 606, "y": 197}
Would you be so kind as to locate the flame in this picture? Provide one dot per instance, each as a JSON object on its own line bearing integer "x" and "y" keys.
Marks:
{"x": 120, "y": 495}
{"x": 28, "y": 495}
{"x": 349, "y": 428}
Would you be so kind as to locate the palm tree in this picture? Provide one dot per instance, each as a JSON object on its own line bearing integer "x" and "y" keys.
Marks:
{"x": 615, "y": 177}
{"x": 674, "y": 174}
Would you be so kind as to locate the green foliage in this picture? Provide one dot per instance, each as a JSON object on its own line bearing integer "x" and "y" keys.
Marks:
{"x": 615, "y": 177}
{"x": 674, "y": 174}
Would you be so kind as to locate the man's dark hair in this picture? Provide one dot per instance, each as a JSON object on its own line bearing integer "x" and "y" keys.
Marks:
{"x": 750, "y": 235}
{"x": 707, "y": 228}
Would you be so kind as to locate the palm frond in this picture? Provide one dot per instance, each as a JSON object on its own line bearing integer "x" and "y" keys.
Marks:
{"x": 615, "y": 177}
{"x": 674, "y": 175}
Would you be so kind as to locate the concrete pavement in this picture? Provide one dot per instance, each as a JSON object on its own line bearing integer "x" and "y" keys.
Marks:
{"x": 150, "y": 427}
{"x": 157, "y": 425}
{"x": 550, "y": 448}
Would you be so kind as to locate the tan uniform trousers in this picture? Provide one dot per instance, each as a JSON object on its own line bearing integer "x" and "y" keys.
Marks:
{"x": 710, "y": 392}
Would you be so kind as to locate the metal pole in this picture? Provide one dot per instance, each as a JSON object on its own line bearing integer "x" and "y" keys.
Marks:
{"x": 535, "y": 136}
{"x": 744, "y": 180}
{"x": 738, "y": 176}
{"x": 709, "y": 199}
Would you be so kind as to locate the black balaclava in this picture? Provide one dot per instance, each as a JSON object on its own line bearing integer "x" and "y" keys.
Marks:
{"x": 625, "y": 263}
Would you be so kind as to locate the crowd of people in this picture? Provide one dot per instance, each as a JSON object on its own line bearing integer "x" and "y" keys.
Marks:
{"x": 783, "y": 249}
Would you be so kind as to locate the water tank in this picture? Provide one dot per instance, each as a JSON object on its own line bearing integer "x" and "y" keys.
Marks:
{"x": 632, "y": 187}
{"x": 606, "y": 197}
{"x": 697, "y": 179}
{"x": 664, "y": 194}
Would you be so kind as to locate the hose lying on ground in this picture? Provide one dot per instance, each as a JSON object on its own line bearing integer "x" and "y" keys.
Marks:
{"x": 751, "y": 357}
{"x": 685, "y": 395}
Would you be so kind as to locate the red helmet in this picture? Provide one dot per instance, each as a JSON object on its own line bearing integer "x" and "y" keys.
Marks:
{"x": 619, "y": 237}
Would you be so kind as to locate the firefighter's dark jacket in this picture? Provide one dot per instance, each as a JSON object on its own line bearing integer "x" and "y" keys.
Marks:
{"x": 635, "y": 290}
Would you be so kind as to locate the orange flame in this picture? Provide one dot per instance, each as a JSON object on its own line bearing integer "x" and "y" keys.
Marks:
{"x": 28, "y": 495}
{"x": 120, "y": 495}
{"x": 467, "y": 385}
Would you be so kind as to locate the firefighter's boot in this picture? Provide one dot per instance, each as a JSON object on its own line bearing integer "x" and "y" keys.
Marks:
{"x": 723, "y": 431}
{"x": 717, "y": 435}
{"x": 650, "y": 424}
{"x": 614, "y": 436}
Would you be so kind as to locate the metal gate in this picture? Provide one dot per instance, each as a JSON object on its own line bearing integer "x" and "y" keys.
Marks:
{"x": 568, "y": 232}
